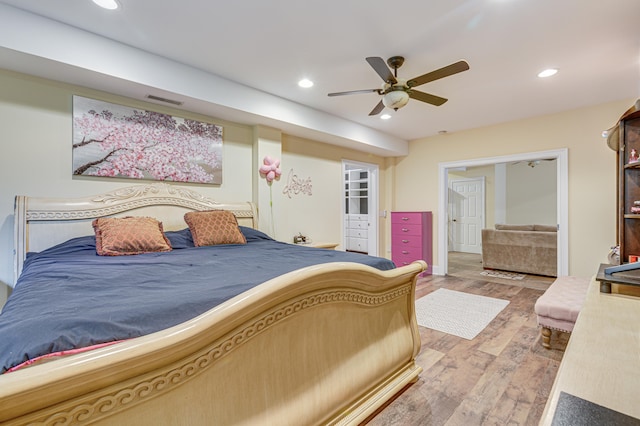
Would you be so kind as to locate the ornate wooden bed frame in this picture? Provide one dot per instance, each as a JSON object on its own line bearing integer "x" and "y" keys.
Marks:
{"x": 327, "y": 344}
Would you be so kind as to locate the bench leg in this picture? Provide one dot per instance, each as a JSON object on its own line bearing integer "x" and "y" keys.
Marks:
{"x": 546, "y": 337}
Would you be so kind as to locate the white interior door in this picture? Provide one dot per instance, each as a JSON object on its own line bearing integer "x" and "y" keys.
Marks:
{"x": 466, "y": 215}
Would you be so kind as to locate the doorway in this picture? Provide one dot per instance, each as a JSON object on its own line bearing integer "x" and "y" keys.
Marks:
{"x": 562, "y": 206}
{"x": 360, "y": 221}
{"x": 466, "y": 214}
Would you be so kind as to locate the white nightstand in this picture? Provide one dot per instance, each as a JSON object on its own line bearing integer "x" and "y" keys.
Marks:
{"x": 331, "y": 246}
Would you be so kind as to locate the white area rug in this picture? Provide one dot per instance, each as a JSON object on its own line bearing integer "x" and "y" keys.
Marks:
{"x": 454, "y": 312}
{"x": 503, "y": 274}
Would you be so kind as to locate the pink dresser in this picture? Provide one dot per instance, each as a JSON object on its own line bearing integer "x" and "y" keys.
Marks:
{"x": 411, "y": 238}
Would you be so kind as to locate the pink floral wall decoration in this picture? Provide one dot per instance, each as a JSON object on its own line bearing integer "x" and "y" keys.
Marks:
{"x": 270, "y": 169}
{"x": 111, "y": 140}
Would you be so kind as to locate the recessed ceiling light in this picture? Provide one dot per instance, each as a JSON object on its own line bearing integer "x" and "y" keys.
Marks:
{"x": 385, "y": 116}
{"x": 548, "y": 72}
{"x": 107, "y": 4}
{"x": 306, "y": 83}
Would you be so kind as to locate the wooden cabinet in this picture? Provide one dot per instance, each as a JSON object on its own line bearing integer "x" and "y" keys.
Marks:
{"x": 629, "y": 187}
{"x": 357, "y": 210}
{"x": 357, "y": 232}
{"x": 411, "y": 238}
{"x": 356, "y": 191}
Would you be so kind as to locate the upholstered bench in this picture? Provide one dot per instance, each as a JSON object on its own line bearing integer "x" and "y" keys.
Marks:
{"x": 559, "y": 306}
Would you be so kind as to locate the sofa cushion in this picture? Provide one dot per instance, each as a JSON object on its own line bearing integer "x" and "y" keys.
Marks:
{"x": 545, "y": 228}
{"x": 504, "y": 227}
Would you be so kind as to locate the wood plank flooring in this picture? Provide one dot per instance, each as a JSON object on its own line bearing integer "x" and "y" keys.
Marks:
{"x": 501, "y": 377}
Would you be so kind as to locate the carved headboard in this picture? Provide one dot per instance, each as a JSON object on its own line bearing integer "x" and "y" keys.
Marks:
{"x": 40, "y": 223}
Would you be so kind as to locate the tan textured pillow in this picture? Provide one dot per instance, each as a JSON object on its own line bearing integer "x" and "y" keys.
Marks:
{"x": 213, "y": 227}
{"x": 116, "y": 236}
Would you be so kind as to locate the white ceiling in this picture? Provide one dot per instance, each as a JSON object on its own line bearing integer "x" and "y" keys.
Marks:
{"x": 270, "y": 45}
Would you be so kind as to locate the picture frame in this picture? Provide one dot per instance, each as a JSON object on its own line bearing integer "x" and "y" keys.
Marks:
{"x": 111, "y": 140}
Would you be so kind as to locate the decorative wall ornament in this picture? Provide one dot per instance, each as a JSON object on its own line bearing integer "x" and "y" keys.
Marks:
{"x": 296, "y": 185}
{"x": 111, "y": 140}
{"x": 270, "y": 170}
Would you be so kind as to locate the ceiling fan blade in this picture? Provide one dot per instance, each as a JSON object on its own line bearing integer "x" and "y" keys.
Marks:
{"x": 378, "y": 109}
{"x": 426, "y": 97}
{"x": 380, "y": 66}
{"x": 354, "y": 92}
{"x": 438, "y": 74}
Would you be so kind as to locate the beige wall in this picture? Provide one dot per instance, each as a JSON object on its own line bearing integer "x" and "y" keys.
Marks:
{"x": 319, "y": 216}
{"x": 532, "y": 193}
{"x": 36, "y": 132}
{"x": 592, "y": 178}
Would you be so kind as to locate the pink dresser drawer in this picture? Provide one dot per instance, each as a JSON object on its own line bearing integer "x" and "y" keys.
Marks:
{"x": 411, "y": 218}
{"x": 400, "y": 241}
{"x": 401, "y": 259}
{"x": 398, "y": 229}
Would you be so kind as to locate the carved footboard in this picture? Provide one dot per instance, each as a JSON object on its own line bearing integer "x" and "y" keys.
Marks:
{"x": 328, "y": 344}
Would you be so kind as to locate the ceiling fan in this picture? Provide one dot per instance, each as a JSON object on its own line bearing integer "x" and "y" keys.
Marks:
{"x": 397, "y": 91}
{"x": 533, "y": 163}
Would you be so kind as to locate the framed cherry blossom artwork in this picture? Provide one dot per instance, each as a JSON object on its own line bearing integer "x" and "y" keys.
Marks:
{"x": 111, "y": 140}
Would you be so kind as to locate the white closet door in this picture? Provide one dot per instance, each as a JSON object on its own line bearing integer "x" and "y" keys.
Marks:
{"x": 467, "y": 215}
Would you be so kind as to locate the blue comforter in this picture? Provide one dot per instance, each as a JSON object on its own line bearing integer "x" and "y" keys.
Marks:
{"x": 68, "y": 297}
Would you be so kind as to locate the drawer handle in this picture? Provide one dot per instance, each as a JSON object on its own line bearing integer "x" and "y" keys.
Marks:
{"x": 405, "y": 218}
{"x": 405, "y": 263}
{"x": 405, "y": 230}
{"x": 405, "y": 241}
{"x": 405, "y": 252}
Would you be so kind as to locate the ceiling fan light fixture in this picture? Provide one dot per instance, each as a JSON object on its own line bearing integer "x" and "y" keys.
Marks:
{"x": 395, "y": 99}
{"x": 385, "y": 116}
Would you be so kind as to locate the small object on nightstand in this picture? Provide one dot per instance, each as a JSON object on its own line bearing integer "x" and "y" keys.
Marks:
{"x": 299, "y": 239}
